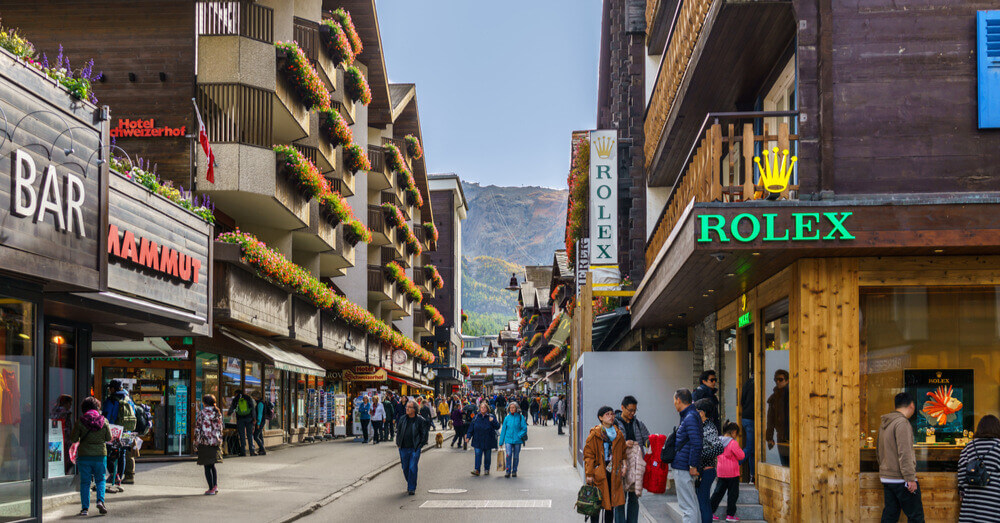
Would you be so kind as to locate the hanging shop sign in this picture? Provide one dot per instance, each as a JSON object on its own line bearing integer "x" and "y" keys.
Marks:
{"x": 604, "y": 197}
{"x": 145, "y": 128}
{"x": 160, "y": 259}
{"x": 748, "y": 227}
{"x": 365, "y": 373}
{"x": 746, "y": 317}
{"x": 582, "y": 263}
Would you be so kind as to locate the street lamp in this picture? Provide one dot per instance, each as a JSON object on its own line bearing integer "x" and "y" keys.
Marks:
{"x": 514, "y": 286}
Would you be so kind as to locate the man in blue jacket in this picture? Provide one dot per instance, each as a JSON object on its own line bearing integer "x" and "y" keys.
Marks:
{"x": 687, "y": 457}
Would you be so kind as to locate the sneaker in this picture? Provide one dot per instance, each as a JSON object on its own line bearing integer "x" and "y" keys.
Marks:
{"x": 410, "y": 492}
{"x": 513, "y": 474}
{"x": 716, "y": 518}
{"x": 475, "y": 472}
{"x": 82, "y": 512}
{"x": 101, "y": 508}
{"x": 213, "y": 491}
{"x": 487, "y": 472}
{"x": 506, "y": 475}
{"x": 732, "y": 518}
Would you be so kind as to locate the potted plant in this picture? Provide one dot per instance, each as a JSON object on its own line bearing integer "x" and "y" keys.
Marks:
{"x": 356, "y": 86}
{"x": 335, "y": 127}
{"x": 413, "y": 147}
{"x": 432, "y": 230}
{"x": 394, "y": 160}
{"x": 338, "y": 47}
{"x": 355, "y": 231}
{"x": 413, "y": 197}
{"x": 355, "y": 158}
{"x": 302, "y": 76}
{"x": 343, "y": 16}
{"x": 310, "y": 183}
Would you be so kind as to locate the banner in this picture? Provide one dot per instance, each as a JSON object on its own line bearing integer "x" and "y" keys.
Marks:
{"x": 582, "y": 263}
{"x": 604, "y": 197}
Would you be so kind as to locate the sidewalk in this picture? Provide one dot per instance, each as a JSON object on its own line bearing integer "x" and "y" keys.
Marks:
{"x": 261, "y": 488}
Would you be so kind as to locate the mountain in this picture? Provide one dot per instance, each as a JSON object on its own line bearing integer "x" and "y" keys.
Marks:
{"x": 506, "y": 228}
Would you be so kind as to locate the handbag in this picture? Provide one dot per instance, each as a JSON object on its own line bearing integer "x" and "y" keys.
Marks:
{"x": 588, "y": 501}
{"x": 501, "y": 460}
{"x": 669, "y": 451}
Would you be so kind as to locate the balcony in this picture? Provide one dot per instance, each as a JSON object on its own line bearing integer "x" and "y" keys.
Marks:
{"x": 239, "y": 296}
{"x": 307, "y": 34}
{"x": 243, "y": 18}
{"x": 305, "y": 322}
{"x": 422, "y": 281}
{"x": 723, "y": 50}
{"x": 379, "y": 288}
{"x": 422, "y": 325}
{"x": 382, "y": 234}
{"x": 378, "y": 176}
{"x": 720, "y": 168}
{"x": 387, "y": 255}
{"x": 324, "y": 235}
{"x": 400, "y": 144}
{"x": 291, "y": 117}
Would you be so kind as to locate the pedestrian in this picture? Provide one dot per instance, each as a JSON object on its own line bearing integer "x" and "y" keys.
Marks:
{"x": 636, "y": 440}
{"x": 687, "y": 456}
{"x": 525, "y": 405}
{"x": 981, "y": 503}
{"x": 365, "y": 416}
{"x": 746, "y": 418}
{"x": 443, "y": 413}
{"x": 501, "y": 407}
{"x": 728, "y": 471}
{"x": 777, "y": 417}
{"x": 263, "y": 411}
{"x": 411, "y": 436}
{"x": 603, "y": 459}
{"x": 513, "y": 433}
{"x": 378, "y": 420}
{"x": 711, "y": 448}
{"x": 562, "y": 413}
{"x": 208, "y": 439}
{"x": 897, "y": 463}
{"x": 708, "y": 390}
{"x": 425, "y": 411}
{"x": 93, "y": 433}
{"x": 389, "y": 426}
{"x": 482, "y": 432}
{"x": 458, "y": 422}
{"x": 243, "y": 407}
{"x": 533, "y": 408}
{"x": 118, "y": 409}
{"x": 543, "y": 409}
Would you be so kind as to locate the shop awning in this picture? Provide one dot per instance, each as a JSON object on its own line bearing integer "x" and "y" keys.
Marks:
{"x": 155, "y": 347}
{"x": 280, "y": 358}
{"x": 410, "y": 383}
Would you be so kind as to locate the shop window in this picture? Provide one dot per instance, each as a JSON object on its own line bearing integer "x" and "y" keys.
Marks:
{"x": 17, "y": 428}
{"x": 272, "y": 388}
{"x": 300, "y": 400}
{"x": 775, "y": 385}
{"x": 252, "y": 376}
{"x": 206, "y": 376}
{"x": 231, "y": 381}
{"x": 59, "y": 397}
{"x": 942, "y": 346}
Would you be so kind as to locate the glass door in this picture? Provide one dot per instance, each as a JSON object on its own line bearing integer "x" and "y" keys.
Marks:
{"x": 60, "y": 376}
{"x": 177, "y": 412}
{"x": 18, "y": 323}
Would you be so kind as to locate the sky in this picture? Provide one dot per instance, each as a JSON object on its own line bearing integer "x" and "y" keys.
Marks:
{"x": 500, "y": 85}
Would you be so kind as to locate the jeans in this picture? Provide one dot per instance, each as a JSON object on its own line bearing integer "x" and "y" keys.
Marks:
{"x": 377, "y": 430}
{"x": 484, "y": 456}
{"x": 534, "y": 418}
{"x": 443, "y": 418}
{"x": 388, "y": 429}
{"x": 409, "y": 458}
{"x": 244, "y": 427}
{"x": 258, "y": 437}
{"x": 91, "y": 467}
{"x": 897, "y": 498}
{"x": 364, "y": 430}
{"x": 687, "y": 499}
{"x": 705, "y": 495}
{"x": 560, "y": 420}
{"x": 631, "y": 507}
{"x": 459, "y": 436}
{"x": 513, "y": 451}
{"x": 729, "y": 487}
{"x": 748, "y": 449}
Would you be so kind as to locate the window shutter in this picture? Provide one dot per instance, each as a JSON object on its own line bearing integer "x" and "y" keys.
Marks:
{"x": 988, "y": 64}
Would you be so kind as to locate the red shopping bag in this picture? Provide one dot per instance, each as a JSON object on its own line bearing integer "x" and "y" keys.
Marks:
{"x": 655, "y": 479}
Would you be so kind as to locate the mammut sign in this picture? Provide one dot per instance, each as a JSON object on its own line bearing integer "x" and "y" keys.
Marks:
{"x": 125, "y": 245}
{"x": 746, "y": 227}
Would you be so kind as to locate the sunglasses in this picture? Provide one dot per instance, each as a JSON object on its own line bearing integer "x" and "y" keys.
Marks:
{"x": 776, "y": 380}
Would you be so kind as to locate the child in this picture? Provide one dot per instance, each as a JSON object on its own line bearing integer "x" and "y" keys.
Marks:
{"x": 728, "y": 469}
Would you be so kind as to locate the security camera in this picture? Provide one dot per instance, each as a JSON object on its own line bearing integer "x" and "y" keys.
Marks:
{"x": 719, "y": 256}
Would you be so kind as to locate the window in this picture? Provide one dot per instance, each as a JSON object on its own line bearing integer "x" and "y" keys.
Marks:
{"x": 775, "y": 385}
{"x": 782, "y": 97}
{"x": 206, "y": 376}
{"x": 60, "y": 371}
{"x": 17, "y": 428}
{"x": 230, "y": 381}
{"x": 942, "y": 346}
{"x": 252, "y": 379}
{"x": 272, "y": 391}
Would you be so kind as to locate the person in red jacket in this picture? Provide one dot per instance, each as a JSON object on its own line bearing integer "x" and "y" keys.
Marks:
{"x": 728, "y": 468}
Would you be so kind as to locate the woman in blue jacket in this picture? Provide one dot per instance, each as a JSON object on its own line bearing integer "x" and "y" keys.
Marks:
{"x": 483, "y": 434}
{"x": 512, "y": 435}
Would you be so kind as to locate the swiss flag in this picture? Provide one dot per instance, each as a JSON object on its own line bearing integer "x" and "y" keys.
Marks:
{"x": 205, "y": 146}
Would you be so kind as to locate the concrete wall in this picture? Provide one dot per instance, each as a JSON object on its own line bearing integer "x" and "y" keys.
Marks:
{"x": 354, "y": 283}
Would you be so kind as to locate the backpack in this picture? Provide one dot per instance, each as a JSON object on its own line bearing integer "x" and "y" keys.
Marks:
{"x": 977, "y": 474}
{"x": 588, "y": 501}
{"x": 268, "y": 410}
{"x": 126, "y": 414}
{"x": 242, "y": 407}
{"x": 712, "y": 448}
{"x": 669, "y": 451}
{"x": 142, "y": 419}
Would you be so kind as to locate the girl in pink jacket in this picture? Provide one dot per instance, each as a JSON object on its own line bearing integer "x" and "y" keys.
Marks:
{"x": 728, "y": 469}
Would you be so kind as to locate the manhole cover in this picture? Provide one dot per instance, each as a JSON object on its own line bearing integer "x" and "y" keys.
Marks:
{"x": 448, "y": 491}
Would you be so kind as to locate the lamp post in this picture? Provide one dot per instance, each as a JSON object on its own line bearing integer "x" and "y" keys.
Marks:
{"x": 514, "y": 286}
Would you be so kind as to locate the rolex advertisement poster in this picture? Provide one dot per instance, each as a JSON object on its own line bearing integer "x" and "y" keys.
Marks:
{"x": 944, "y": 401}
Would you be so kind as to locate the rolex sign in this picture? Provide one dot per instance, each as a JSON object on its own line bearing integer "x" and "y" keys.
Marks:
{"x": 603, "y": 198}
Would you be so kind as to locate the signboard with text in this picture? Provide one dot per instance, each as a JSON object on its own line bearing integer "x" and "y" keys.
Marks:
{"x": 604, "y": 197}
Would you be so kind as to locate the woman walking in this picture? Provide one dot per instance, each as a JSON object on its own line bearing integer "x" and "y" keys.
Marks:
{"x": 483, "y": 434}
{"x": 208, "y": 438}
{"x": 711, "y": 447}
{"x": 513, "y": 432}
{"x": 365, "y": 416}
{"x": 458, "y": 421}
{"x": 603, "y": 462}
{"x": 93, "y": 434}
{"x": 981, "y": 503}
{"x": 378, "y": 419}
{"x": 533, "y": 408}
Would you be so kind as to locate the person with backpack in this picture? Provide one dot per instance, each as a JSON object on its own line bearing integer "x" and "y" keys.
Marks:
{"x": 729, "y": 472}
{"x": 263, "y": 412}
{"x": 513, "y": 434}
{"x": 243, "y": 407}
{"x": 92, "y": 433}
{"x": 603, "y": 459}
{"x": 208, "y": 439}
{"x": 142, "y": 426}
{"x": 482, "y": 434}
{"x": 543, "y": 409}
{"x": 118, "y": 410}
{"x": 686, "y": 456}
{"x": 897, "y": 463}
{"x": 711, "y": 448}
{"x": 979, "y": 473}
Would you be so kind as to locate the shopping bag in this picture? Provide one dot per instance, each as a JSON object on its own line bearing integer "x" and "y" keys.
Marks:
{"x": 73, "y": 450}
{"x": 501, "y": 460}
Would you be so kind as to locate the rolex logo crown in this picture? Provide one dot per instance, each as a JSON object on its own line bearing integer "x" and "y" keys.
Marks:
{"x": 775, "y": 173}
{"x": 605, "y": 146}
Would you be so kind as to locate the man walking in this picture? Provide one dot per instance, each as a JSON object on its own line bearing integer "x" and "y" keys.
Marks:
{"x": 561, "y": 413}
{"x": 687, "y": 456}
{"x": 410, "y": 438}
{"x": 897, "y": 463}
{"x": 243, "y": 406}
{"x": 118, "y": 409}
{"x": 263, "y": 412}
{"x": 389, "y": 427}
{"x": 708, "y": 389}
{"x": 636, "y": 435}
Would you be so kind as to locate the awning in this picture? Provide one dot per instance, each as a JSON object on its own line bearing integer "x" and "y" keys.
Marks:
{"x": 609, "y": 329}
{"x": 280, "y": 358}
{"x": 145, "y": 347}
{"x": 410, "y": 383}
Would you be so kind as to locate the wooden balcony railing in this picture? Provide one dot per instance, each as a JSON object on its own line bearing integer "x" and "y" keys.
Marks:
{"x": 236, "y": 113}
{"x": 419, "y": 279}
{"x": 376, "y": 155}
{"x": 398, "y": 143}
{"x": 720, "y": 166}
{"x": 235, "y": 17}
{"x": 388, "y": 254}
{"x": 311, "y": 153}
{"x": 376, "y": 279}
{"x": 336, "y": 184}
{"x": 306, "y": 34}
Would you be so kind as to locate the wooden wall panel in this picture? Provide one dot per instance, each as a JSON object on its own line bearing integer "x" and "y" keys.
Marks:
{"x": 825, "y": 460}
{"x": 929, "y": 270}
{"x": 776, "y": 497}
{"x": 938, "y": 490}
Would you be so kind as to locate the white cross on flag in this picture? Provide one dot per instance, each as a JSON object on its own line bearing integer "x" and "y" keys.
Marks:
{"x": 205, "y": 146}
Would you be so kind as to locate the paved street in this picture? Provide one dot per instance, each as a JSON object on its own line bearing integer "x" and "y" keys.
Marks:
{"x": 546, "y": 483}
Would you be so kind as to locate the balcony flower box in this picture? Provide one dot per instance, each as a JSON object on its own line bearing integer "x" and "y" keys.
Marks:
{"x": 356, "y": 86}
{"x": 413, "y": 147}
{"x": 355, "y": 158}
{"x": 302, "y": 76}
{"x": 335, "y": 41}
{"x": 343, "y": 16}
{"x": 335, "y": 127}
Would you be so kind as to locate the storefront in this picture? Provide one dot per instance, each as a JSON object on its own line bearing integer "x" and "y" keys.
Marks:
{"x": 830, "y": 333}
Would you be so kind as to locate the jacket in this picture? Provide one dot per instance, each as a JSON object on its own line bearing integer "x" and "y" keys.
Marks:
{"x": 746, "y": 400}
{"x": 236, "y": 402}
{"x": 208, "y": 427}
{"x": 641, "y": 432}
{"x": 513, "y": 430}
{"x": 457, "y": 420}
{"x": 612, "y": 495}
{"x": 92, "y": 442}
{"x": 364, "y": 411}
{"x": 425, "y": 411}
{"x": 483, "y": 431}
{"x": 443, "y": 409}
{"x": 390, "y": 413}
{"x": 729, "y": 461}
{"x": 403, "y": 428}
{"x": 705, "y": 392}
{"x": 896, "y": 459}
{"x": 688, "y": 441}
{"x": 378, "y": 414}
{"x": 777, "y": 415}
{"x": 635, "y": 468}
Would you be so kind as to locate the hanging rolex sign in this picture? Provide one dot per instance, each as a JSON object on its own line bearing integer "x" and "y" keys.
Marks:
{"x": 604, "y": 197}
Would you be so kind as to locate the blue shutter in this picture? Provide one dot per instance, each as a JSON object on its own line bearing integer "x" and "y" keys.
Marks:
{"x": 988, "y": 64}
